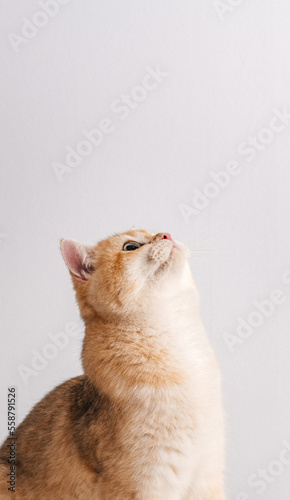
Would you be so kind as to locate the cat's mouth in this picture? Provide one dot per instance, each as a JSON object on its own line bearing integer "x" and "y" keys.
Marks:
{"x": 164, "y": 267}
{"x": 175, "y": 246}
{"x": 167, "y": 254}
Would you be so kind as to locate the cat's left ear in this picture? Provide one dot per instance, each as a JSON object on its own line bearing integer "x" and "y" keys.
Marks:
{"x": 77, "y": 258}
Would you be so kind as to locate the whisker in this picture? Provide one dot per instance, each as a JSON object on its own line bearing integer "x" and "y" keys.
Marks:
{"x": 193, "y": 252}
{"x": 203, "y": 253}
{"x": 190, "y": 240}
{"x": 201, "y": 240}
{"x": 192, "y": 246}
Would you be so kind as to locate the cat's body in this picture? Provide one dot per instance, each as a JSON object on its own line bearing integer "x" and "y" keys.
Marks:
{"x": 145, "y": 422}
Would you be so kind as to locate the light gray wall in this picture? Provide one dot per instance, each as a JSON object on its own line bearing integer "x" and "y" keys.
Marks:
{"x": 227, "y": 78}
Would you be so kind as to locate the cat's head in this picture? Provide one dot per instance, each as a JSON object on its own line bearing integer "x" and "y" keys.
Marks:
{"x": 121, "y": 273}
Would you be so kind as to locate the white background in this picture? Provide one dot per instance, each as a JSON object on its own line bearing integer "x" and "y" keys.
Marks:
{"x": 227, "y": 73}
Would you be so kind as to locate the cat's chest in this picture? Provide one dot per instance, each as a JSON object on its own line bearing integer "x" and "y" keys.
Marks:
{"x": 161, "y": 441}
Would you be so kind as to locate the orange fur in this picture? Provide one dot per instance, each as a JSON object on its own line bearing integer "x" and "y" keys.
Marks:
{"x": 145, "y": 422}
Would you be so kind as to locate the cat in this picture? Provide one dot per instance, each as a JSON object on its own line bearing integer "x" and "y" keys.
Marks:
{"x": 145, "y": 421}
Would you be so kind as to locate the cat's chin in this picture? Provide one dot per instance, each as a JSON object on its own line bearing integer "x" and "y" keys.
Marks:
{"x": 175, "y": 261}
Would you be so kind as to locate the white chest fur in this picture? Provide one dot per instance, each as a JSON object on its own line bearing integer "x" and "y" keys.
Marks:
{"x": 171, "y": 425}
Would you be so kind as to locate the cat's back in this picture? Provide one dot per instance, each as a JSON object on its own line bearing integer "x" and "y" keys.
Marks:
{"x": 55, "y": 443}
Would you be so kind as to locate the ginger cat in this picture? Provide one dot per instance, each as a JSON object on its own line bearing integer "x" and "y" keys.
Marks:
{"x": 145, "y": 421}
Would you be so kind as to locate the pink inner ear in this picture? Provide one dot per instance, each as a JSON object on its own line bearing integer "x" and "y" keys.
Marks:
{"x": 74, "y": 255}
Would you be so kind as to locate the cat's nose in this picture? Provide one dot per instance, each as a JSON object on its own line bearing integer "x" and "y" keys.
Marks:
{"x": 163, "y": 236}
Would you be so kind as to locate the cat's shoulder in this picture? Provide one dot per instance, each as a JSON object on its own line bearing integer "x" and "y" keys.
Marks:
{"x": 77, "y": 395}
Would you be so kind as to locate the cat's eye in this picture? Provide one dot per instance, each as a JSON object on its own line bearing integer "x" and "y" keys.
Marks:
{"x": 131, "y": 245}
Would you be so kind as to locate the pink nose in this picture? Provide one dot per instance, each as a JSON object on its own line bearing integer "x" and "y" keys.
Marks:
{"x": 165, "y": 236}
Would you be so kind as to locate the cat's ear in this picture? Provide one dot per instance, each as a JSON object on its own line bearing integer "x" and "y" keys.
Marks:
{"x": 77, "y": 258}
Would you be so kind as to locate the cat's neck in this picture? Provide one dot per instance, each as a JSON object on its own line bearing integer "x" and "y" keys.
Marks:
{"x": 146, "y": 349}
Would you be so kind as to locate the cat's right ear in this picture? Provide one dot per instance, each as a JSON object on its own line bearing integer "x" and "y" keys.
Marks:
{"x": 77, "y": 258}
